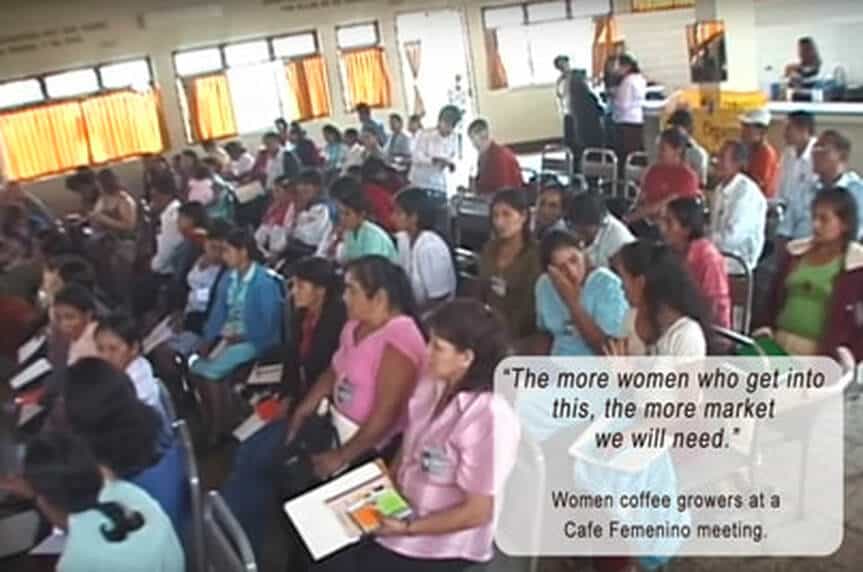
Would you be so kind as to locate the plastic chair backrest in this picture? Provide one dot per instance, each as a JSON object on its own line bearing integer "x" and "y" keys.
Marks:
{"x": 741, "y": 288}
{"x": 197, "y": 554}
{"x": 598, "y": 163}
{"x": 228, "y": 548}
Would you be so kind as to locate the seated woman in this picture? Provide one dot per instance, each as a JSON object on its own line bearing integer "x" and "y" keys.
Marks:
{"x": 74, "y": 320}
{"x": 245, "y": 321}
{"x": 682, "y": 226}
{"x": 815, "y": 306}
{"x": 99, "y": 404}
{"x": 373, "y": 374}
{"x": 361, "y": 236}
{"x": 272, "y": 235}
{"x": 319, "y": 318}
{"x": 423, "y": 254}
{"x": 509, "y": 263}
{"x": 454, "y": 489}
{"x": 669, "y": 316}
{"x": 374, "y": 175}
{"x": 110, "y": 524}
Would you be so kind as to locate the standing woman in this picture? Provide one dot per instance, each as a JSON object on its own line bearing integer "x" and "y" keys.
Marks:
{"x": 110, "y": 524}
{"x": 669, "y": 316}
{"x": 381, "y": 355}
{"x": 447, "y": 468}
{"x": 245, "y": 320}
{"x": 683, "y": 228}
{"x": 628, "y": 110}
{"x": 509, "y": 264}
{"x": 423, "y": 254}
{"x": 817, "y": 302}
{"x": 116, "y": 217}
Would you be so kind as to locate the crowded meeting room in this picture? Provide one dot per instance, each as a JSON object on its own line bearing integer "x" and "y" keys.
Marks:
{"x": 299, "y": 237}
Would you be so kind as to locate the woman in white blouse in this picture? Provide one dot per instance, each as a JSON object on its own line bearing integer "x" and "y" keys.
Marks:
{"x": 422, "y": 253}
{"x": 435, "y": 151}
{"x": 628, "y": 109}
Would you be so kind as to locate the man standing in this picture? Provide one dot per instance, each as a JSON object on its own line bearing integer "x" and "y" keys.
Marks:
{"x": 763, "y": 166}
{"x": 797, "y": 180}
{"x": 830, "y": 163}
{"x": 398, "y": 148}
{"x": 498, "y": 166}
{"x": 739, "y": 210}
{"x": 364, "y": 114}
{"x": 563, "y": 91}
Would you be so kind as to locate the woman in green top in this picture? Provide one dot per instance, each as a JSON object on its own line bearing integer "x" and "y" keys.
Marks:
{"x": 361, "y": 236}
{"x": 807, "y": 291}
{"x": 509, "y": 264}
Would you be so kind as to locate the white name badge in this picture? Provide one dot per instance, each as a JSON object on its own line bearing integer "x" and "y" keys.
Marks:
{"x": 498, "y": 286}
{"x": 202, "y": 295}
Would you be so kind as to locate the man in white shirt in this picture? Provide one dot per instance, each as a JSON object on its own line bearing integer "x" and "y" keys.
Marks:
{"x": 281, "y": 161}
{"x": 435, "y": 152}
{"x": 168, "y": 238}
{"x": 797, "y": 178}
{"x": 312, "y": 221}
{"x": 563, "y": 92}
{"x": 600, "y": 231}
{"x": 356, "y": 150}
{"x": 242, "y": 162}
{"x": 739, "y": 211}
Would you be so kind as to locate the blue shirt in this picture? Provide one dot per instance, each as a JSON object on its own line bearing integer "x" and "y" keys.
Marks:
{"x": 152, "y": 548}
{"x": 797, "y": 221}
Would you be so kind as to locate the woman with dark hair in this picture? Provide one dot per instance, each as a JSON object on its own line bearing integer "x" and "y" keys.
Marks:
{"x": 244, "y": 322}
{"x": 628, "y": 109}
{"x": 449, "y": 475}
{"x": 110, "y": 524}
{"x": 306, "y": 150}
{"x": 683, "y": 227}
{"x": 509, "y": 263}
{"x": 99, "y": 404}
{"x": 435, "y": 151}
{"x": 318, "y": 320}
{"x": 335, "y": 151}
{"x": 74, "y": 320}
{"x": 669, "y": 317}
{"x": 373, "y": 374}
{"x": 375, "y": 175}
{"x": 118, "y": 339}
{"x": 361, "y": 236}
{"x": 423, "y": 253}
{"x": 815, "y": 306}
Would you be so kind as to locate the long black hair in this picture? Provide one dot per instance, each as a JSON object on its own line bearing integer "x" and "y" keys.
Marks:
{"x": 515, "y": 199}
{"x": 471, "y": 325}
{"x": 320, "y": 272}
{"x": 123, "y": 326}
{"x": 689, "y": 213}
{"x": 844, "y": 206}
{"x": 63, "y": 471}
{"x": 375, "y": 273}
{"x": 667, "y": 283}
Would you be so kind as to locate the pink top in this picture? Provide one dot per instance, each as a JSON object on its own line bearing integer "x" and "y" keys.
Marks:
{"x": 469, "y": 448}
{"x": 707, "y": 268}
{"x": 84, "y": 346}
{"x": 201, "y": 191}
{"x": 356, "y": 364}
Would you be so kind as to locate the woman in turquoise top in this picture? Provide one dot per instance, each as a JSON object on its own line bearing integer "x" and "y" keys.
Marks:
{"x": 110, "y": 525}
{"x": 244, "y": 323}
{"x": 361, "y": 236}
{"x": 579, "y": 307}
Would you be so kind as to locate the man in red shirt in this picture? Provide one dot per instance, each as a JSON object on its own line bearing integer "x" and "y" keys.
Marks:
{"x": 668, "y": 179}
{"x": 498, "y": 167}
{"x": 763, "y": 166}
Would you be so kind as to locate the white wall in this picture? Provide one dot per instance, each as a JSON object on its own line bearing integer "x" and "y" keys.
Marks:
{"x": 658, "y": 41}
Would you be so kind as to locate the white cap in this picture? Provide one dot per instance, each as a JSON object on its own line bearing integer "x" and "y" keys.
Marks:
{"x": 756, "y": 117}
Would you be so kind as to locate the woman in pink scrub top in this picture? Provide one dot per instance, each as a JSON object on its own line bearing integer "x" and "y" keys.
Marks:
{"x": 374, "y": 372}
{"x": 458, "y": 448}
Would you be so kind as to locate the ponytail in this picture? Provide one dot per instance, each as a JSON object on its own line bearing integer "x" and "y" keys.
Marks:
{"x": 375, "y": 273}
{"x": 123, "y": 522}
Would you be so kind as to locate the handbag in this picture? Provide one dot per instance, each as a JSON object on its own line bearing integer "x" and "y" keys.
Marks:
{"x": 295, "y": 473}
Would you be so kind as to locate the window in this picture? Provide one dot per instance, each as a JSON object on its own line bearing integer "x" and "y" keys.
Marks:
{"x": 363, "y": 66}
{"x": 523, "y": 40}
{"x": 72, "y": 83}
{"x": 97, "y": 119}
{"x": 243, "y": 87}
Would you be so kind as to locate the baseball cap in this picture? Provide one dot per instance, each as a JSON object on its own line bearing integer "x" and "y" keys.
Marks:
{"x": 756, "y": 117}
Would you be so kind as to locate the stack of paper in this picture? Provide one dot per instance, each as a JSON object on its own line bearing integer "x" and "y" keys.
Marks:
{"x": 266, "y": 375}
{"x": 31, "y": 373}
{"x": 30, "y": 347}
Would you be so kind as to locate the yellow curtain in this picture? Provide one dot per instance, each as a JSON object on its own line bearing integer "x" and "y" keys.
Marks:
{"x": 368, "y": 77}
{"x": 210, "y": 108}
{"x": 605, "y": 38}
{"x": 123, "y": 124}
{"x": 703, "y": 33}
{"x": 309, "y": 87}
{"x": 649, "y": 5}
{"x": 43, "y": 140}
{"x": 497, "y": 78}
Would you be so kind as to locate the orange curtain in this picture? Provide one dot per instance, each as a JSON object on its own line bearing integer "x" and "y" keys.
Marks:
{"x": 309, "y": 87}
{"x": 703, "y": 33}
{"x": 43, "y": 140}
{"x": 413, "y": 53}
{"x": 605, "y": 38}
{"x": 123, "y": 124}
{"x": 210, "y": 109}
{"x": 497, "y": 78}
{"x": 368, "y": 77}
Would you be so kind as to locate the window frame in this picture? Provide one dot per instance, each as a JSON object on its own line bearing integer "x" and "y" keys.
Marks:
{"x": 348, "y": 106}
{"x": 378, "y": 36}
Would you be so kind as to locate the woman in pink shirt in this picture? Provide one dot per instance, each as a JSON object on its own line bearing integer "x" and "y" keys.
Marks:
{"x": 374, "y": 372}
{"x": 682, "y": 225}
{"x": 458, "y": 448}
